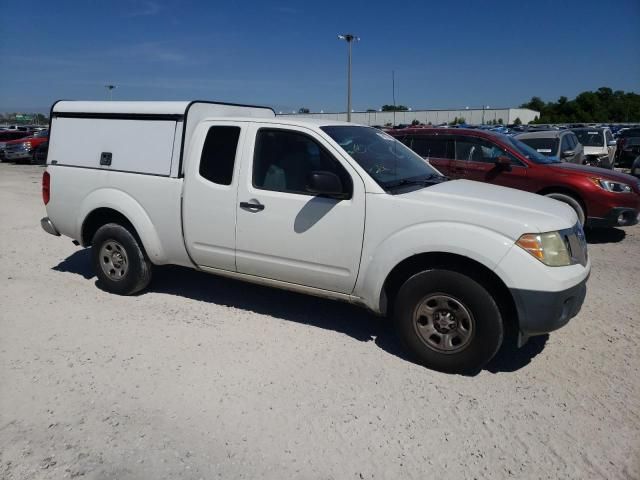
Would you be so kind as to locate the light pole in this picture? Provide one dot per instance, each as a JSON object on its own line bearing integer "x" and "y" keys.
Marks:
{"x": 349, "y": 38}
{"x": 484, "y": 107}
{"x": 110, "y": 88}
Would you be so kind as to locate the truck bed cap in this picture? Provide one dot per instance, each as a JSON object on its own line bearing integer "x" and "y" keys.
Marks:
{"x": 142, "y": 108}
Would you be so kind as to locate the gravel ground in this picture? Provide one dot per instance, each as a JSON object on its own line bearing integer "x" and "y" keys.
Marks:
{"x": 203, "y": 377}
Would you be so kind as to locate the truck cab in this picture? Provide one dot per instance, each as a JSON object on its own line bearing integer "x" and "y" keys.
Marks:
{"x": 327, "y": 208}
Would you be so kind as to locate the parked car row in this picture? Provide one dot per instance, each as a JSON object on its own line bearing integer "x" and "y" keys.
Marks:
{"x": 24, "y": 146}
{"x": 595, "y": 145}
{"x": 600, "y": 197}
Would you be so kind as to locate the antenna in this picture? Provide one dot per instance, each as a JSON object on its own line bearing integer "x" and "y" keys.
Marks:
{"x": 110, "y": 88}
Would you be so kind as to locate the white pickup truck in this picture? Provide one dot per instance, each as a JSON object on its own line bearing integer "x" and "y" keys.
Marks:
{"x": 327, "y": 208}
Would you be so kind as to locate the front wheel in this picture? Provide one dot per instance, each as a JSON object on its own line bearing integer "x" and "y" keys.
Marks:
{"x": 448, "y": 321}
{"x": 120, "y": 263}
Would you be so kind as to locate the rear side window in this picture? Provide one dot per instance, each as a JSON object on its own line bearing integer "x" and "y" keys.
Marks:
{"x": 431, "y": 147}
{"x": 566, "y": 145}
{"x": 573, "y": 140}
{"x": 219, "y": 154}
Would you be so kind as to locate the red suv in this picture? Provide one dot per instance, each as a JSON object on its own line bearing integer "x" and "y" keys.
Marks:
{"x": 601, "y": 198}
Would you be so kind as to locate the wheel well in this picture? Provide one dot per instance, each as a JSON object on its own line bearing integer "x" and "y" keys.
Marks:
{"x": 565, "y": 191}
{"x": 101, "y": 216}
{"x": 458, "y": 263}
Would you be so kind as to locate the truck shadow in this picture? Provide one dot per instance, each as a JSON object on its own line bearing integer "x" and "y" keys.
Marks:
{"x": 344, "y": 318}
{"x": 604, "y": 235}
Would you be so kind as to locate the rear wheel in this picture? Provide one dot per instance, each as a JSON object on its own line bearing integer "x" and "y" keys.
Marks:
{"x": 572, "y": 202}
{"x": 448, "y": 321}
{"x": 120, "y": 263}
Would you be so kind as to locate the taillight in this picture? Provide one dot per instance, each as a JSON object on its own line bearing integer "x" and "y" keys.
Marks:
{"x": 46, "y": 187}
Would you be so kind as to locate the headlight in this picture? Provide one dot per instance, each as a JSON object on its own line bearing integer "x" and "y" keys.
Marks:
{"x": 550, "y": 248}
{"x": 27, "y": 144}
{"x": 611, "y": 186}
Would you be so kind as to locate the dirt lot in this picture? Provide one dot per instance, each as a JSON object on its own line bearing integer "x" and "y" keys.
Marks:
{"x": 202, "y": 377}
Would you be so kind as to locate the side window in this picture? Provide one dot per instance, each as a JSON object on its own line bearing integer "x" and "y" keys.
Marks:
{"x": 406, "y": 140}
{"x": 219, "y": 154}
{"x": 472, "y": 149}
{"x": 431, "y": 147}
{"x": 284, "y": 159}
{"x": 565, "y": 145}
{"x": 608, "y": 136}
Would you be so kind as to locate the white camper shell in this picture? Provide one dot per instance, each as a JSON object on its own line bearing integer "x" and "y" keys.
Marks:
{"x": 149, "y": 137}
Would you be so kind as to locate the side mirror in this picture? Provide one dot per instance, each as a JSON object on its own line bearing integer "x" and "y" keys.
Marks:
{"x": 325, "y": 183}
{"x": 503, "y": 163}
{"x": 568, "y": 153}
{"x": 612, "y": 143}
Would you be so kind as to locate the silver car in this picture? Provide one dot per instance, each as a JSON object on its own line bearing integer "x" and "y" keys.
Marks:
{"x": 599, "y": 145}
{"x": 562, "y": 145}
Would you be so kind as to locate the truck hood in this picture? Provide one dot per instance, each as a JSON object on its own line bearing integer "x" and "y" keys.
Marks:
{"x": 505, "y": 210}
{"x": 588, "y": 171}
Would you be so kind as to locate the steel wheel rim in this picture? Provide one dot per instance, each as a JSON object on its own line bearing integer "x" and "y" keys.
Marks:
{"x": 443, "y": 323}
{"x": 113, "y": 260}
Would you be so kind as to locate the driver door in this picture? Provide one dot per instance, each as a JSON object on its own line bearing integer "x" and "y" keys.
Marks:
{"x": 286, "y": 233}
{"x": 478, "y": 157}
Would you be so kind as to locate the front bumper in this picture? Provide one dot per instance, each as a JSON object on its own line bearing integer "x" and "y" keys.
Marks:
{"x": 599, "y": 160}
{"x": 542, "y": 312}
{"x": 616, "y": 217}
{"x": 17, "y": 154}
{"x": 48, "y": 226}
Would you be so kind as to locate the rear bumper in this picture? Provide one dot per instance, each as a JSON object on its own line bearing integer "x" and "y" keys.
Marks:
{"x": 48, "y": 226}
{"x": 616, "y": 217}
{"x": 543, "y": 312}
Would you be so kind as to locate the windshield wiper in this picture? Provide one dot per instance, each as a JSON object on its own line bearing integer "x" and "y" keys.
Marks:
{"x": 429, "y": 179}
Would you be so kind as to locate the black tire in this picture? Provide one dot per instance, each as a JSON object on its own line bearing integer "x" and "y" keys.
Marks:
{"x": 121, "y": 265}
{"x": 572, "y": 202}
{"x": 486, "y": 325}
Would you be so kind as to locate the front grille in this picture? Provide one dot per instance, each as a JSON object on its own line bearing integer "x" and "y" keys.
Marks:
{"x": 20, "y": 147}
{"x": 576, "y": 243}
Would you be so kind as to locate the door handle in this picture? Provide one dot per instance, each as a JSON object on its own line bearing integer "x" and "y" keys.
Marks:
{"x": 253, "y": 206}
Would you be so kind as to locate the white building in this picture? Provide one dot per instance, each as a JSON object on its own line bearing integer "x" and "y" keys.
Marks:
{"x": 472, "y": 116}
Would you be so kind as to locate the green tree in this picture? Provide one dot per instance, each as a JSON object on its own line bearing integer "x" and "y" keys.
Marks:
{"x": 415, "y": 122}
{"x": 517, "y": 121}
{"x": 500, "y": 122}
{"x": 602, "y": 105}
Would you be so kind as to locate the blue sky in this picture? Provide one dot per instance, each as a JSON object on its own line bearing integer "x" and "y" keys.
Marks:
{"x": 285, "y": 53}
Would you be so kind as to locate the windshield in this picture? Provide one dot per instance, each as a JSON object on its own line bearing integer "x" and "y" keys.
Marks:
{"x": 545, "y": 146}
{"x": 590, "y": 138}
{"x": 388, "y": 161}
{"x": 41, "y": 133}
{"x": 531, "y": 153}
